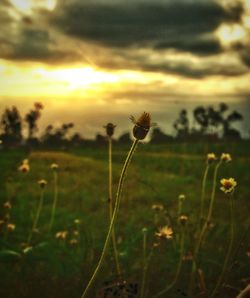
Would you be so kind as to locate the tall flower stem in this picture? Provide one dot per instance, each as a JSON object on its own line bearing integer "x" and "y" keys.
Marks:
{"x": 144, "y": 265}
{"x": 55, "y": 200}
{"x": 40, "y": 205}
{"x": 178, "y": 270}
{"x": 111, "y": 207}
{"x": 203, "y": 230}
{"x": 203, "y": 187}
{"x": 114, "y": 216}
{"x": 229, "y": 250}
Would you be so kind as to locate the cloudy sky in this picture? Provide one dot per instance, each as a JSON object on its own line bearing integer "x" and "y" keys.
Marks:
{"x": 96, "y": 61}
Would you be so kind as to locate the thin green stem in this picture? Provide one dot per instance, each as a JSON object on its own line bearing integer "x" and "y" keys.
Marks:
{"x": 179, "y": 207}
{"x": 36, "y": 216}
{"x": 203, "y": 230}
{"x": 178, "y": 270}
{"x": 144, "y": 266}
{"x": 229, "y": 250}
{"x": 203, "y": 188}
{"x": 114, "y": 216}
{"x": 53, "y": 211}
{"x": 111, "y": 207}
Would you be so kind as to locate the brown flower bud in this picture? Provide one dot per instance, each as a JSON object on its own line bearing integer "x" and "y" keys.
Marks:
{"x": 110, "y": 129}
{"x": 142, "y": 126}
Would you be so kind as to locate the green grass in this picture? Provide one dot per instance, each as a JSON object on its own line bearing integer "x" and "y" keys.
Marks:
{"x": 158, "y": 174}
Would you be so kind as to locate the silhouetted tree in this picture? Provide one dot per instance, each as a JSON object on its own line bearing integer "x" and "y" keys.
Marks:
{"x": 181, "y": 125}
{"x": 11, "y": 126}
{"x": 57, "y": 136}
{"x": 125, "y": 138}
{"x": 31, "y": 118}
{"x": 158, "y": 136}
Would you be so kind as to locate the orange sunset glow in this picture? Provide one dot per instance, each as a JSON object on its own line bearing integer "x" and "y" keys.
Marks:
{"x": 49, "y": 53}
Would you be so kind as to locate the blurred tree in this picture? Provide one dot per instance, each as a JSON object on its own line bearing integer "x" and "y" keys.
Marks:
{"x": 31, "y": 118}
{"x": 125, "y": 138}
{"x": 11, "y": 126}
{"x": 158, "y": 136}
{"x": 54, "y": 137}
{"x": 181, "y": 125}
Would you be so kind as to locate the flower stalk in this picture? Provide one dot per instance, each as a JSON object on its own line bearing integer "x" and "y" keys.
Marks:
{"x": 114, "y": 216}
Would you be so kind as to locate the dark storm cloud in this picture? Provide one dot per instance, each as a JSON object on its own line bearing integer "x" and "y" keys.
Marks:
{"x": 182, "y": 25}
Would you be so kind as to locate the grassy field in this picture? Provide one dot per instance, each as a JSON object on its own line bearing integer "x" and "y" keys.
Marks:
{"x": 54, "y": 267}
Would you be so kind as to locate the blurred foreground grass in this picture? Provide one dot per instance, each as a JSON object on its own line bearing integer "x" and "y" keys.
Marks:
{"x": 158, "y": 174}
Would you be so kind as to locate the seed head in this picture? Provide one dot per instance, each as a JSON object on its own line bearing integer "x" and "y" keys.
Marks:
{"x": 110, "y": 128}
{"x": 228, "y": 185}
{"x": 144, "y": 230}
{"x": 211, "y": 157}
{"x": 165, "y": 232}
{"x": 42, "y": 183}
{"x": 54, "y": 166}
{"x": 142, "y": 126}
{"x": 226, "y": 157}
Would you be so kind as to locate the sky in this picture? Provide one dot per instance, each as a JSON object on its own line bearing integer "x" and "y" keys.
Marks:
{"x": 98, "y": 61}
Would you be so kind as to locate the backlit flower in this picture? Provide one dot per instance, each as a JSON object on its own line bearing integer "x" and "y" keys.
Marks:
{"x": 182, "y": 197}
{"x": 183, "y": 219}
{"x": 211, "y": 157}
{"x": 228, "y": 185}
{"x": 73, "y": 241}
{"x": 42, "y": 183}
{"x": 142, "y": 126}
{"x": 54, "y": 166}
{"x": 24, "y": 168}
{"x": 77, "y": 221}
{"x": 226, "y": 157}
{"x": 11, "y": 227}
{"x": 157, "y": 207}
{"x": 165, "y": 232}
{"x": 7, "y": 205}
{"x": 61, "y": 235}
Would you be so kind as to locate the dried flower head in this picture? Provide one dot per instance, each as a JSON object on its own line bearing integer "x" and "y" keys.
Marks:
{"x": 211, "y": 157}
{"x": 228, "y": 185}
{"x": 11, "y": 227}
{"x": 61, "y": 235}
{"x": 183, "y": 220}
{"x": 24, "y": 168}
{"x": 182, "y": 197}
{"x": 226, "y": 157}
{"x": 157, "y": 207}
{"x": 54, "y": 166}
{"x": 110, "y": 128}
{"x": 165, "y": 232}
{"x": 142, "y": 126}
{"x": 73, "y": 242}
{"x": 42, "y": 183}
{"x": 7, "y": 205}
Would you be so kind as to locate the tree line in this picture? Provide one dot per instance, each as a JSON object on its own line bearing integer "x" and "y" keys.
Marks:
{"x": 206, "y": 123}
